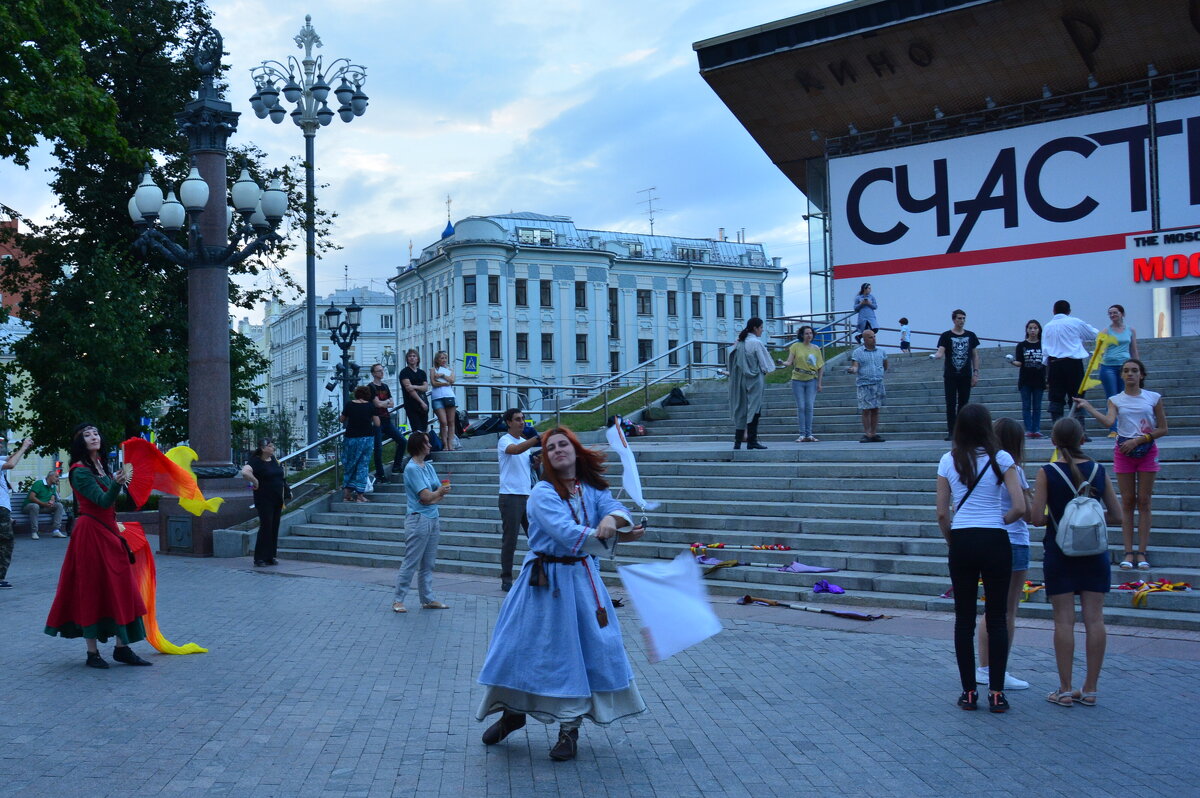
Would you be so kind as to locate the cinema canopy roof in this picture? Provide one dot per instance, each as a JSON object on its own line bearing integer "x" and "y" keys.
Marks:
{"x": 880, "y": 65}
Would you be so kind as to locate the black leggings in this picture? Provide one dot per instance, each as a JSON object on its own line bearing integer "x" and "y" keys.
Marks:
{"x": 974, "y": 553}
{"x": 268, "y": 530}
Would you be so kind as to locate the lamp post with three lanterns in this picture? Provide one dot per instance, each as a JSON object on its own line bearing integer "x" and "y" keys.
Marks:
{"x": 306, "y": 84}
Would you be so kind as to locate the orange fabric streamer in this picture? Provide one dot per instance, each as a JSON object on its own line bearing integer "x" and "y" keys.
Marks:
{"x": 147, "y": 584}
{"x": 153, "y": 470}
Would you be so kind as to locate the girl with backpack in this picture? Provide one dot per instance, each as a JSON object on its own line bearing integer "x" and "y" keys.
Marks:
{"x": 1057, "y": 484}
{"x": 974, "y": 475}
{"x": 1140, "y": 420}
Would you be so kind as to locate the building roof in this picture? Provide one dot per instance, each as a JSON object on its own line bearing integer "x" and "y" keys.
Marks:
{"x": 797, "y": 83}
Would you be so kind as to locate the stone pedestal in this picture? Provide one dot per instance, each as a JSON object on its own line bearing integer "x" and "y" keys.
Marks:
{"x": 188, "y": 535}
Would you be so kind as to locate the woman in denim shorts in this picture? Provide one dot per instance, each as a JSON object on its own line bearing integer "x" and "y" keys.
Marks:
{"x": 441, "y": 377}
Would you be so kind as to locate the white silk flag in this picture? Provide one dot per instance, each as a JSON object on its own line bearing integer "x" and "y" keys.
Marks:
{"x": 631, "y": 480}
{"x": 671, "y": 601}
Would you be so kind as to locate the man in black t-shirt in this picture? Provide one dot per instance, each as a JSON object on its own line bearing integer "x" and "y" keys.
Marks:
{"x": 381, "y": 400}
{"x": 414, "y": 384}
{"x": 958, "y": 347}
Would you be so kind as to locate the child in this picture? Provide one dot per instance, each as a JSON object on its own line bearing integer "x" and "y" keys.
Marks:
{"x": 905, "y": 335}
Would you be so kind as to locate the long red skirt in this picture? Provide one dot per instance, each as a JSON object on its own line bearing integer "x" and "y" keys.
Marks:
{"x": 97, "y": 596}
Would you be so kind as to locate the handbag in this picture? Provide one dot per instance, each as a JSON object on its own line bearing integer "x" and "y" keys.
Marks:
{"x": 1141, "y": 450}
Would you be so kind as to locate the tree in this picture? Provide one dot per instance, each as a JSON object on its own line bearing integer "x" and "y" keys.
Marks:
{"x": 48, "y": 91}
{"x": 82, "y": 257}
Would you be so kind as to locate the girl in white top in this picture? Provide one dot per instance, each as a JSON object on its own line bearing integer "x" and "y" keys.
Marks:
{"x": 1141, "y": 420}
{"x": 1010, "y": 435}
{"x": 974, "y": 475}
{"x": 441, "y": 377}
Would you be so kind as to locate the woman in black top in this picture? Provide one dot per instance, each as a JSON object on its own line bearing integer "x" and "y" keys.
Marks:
{"x": 361, "y": 421}
{"x": 1031, "y": 382}
{"x": 271, "y": 493}
{"x": 1088, "y": 577}
{"x": 414, "y": 384}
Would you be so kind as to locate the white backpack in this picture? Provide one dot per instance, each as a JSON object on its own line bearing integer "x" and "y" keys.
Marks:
{"x": 1082, "y": 530}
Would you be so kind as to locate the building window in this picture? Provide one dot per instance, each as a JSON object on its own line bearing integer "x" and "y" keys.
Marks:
{"x": 472, "y": 400}
{"x": 697, "y": 352}
{"x": 770, "y": 301}
{"x": 697, "y": 305}
{"x": 580, "y": 294}
{"x": 535, "y": 236}
{"x": 643, "y": 302}
{"x": 723, "y": 353}
{"x": 497, "y": 401}
{"x": 468, "y": 289}
{"x": 720, "y": 306}
{"x": 494, "y": 344}
{"x": 753, "y": 307}
{"x": 523, "y": 398}
{"x": 545, "y": 293}
{"x": 614, "y": 362}
{"x": 672, "y": 357}
{"x": 635, "y": 249}
{"x": 493, "y": 289}
{"x": 672, "y": 304}
{"x": 645, "y": 349}
{"x": 386, "y": 321}
{"x": 614, "y": 313}
{"x": 689, "y": 253}
{"x": 581, "y": 351}
{"x": 471, "y": 342}
{"x": 522, "y": 290}
{"x": 446, "y": 298}
{"x": 324, "y": 353}
{"x": 737, "y": 306}
{"x": 522, "y": 346}
{"x": 437, "y": 303}
{"x": 547, "y": 347}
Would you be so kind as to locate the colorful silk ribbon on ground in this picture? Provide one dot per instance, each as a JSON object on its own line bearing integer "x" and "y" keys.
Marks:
{"x": 170, "y": 473}
{"x": 147, "y": 584}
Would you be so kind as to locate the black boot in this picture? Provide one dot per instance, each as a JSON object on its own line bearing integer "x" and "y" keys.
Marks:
{"x": 738, "y": 436}
{"x": 94, "y": 660}
{"x": 567, "y": 745}
{"x": 125, "y": 654}
{"x": 509, "y": 722}
{"x": 752, "y": 435}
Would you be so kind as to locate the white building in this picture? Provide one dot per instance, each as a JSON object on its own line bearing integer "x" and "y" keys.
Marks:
{"x": 539, "y": 299}
{"x": 282, "y": 340}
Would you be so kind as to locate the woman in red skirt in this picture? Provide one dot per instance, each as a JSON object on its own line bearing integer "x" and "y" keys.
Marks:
{"x": 97, "y": 597}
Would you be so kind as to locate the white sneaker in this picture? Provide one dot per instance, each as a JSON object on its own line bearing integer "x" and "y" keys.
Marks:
{"x": 981, "y": 675}
{"x": 1010, "y": 682}
{"x": 34, "y": 536}
{"x": 57, "y": 533}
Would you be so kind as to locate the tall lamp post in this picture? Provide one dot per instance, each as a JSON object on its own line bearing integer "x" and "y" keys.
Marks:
{"x": 343, "y": 334}
{"x": 207, "y": 121}
{"x": 307, "y": 85}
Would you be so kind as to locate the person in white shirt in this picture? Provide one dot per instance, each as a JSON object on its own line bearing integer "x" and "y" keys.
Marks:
{"x": 516, "y": 480}
{"x": 1064, "y": 354}
{"x": 6, "y": 525}
{"x": 973, "y": 475}
{"x": 1141, "y": 419}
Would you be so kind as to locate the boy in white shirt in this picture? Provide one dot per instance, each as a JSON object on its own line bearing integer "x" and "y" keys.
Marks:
{"x": 512, "y": 451}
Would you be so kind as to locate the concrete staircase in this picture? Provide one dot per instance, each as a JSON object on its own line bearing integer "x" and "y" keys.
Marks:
{"x": 865, "y": 509}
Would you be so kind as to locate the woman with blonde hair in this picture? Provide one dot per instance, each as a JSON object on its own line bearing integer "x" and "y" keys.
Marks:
{"x": 441, "y": 398}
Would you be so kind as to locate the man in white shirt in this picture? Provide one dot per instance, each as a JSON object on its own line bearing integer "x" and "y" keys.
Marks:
{"x": 6, "y": 526}
{"x": 516, "y": 480}
{"x": 1064, "y": 354}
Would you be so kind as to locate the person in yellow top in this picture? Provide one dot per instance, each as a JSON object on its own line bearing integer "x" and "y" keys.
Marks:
{"x": 808, "y": 367}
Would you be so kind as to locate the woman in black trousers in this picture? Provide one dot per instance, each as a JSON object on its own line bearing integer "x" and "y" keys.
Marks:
{"x": 972, "y": 477}
{"x": 271, "y": 493}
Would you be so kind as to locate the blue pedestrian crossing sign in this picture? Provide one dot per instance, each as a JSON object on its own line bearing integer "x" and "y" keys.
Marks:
{"x": 471, "y": 364}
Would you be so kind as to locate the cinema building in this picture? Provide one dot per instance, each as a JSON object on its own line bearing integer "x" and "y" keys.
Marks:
{"x": 994, "y": 155}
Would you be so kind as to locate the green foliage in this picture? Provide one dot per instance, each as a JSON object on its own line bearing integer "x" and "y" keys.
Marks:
{"x": 47, "y": 87}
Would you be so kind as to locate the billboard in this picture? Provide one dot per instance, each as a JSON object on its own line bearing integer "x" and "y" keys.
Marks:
{"x": 1068, "y": 187}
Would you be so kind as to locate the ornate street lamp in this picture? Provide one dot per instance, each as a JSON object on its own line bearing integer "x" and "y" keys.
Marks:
{"x": 307, "y": 84}
{"x": 343, "y": 334}
{"x": 207, "y": 121}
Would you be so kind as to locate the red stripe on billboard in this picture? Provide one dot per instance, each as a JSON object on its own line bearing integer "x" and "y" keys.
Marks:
{"x": 1049, "y": 249}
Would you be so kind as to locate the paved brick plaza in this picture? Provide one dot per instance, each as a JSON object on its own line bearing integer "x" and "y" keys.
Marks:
{"x": 314, "y": 687}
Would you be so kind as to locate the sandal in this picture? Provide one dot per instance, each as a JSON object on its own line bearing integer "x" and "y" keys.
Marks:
{"x": 1127, "y": 563}
{"x": 1143, "y": 563}
{"x": 1086, "y": 699}
{"x": 1063, "y": 698}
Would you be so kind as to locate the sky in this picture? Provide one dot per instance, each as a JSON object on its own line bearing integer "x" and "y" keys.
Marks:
{"x": 563, "y": 107}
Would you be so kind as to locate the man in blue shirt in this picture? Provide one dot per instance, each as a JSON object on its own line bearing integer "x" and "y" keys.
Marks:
{"x": 869, "y": 364}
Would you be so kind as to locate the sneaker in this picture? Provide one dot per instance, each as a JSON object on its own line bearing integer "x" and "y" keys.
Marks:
{"x": 5, "y": 585}
{"x": 57, "y": 534}
{"x": 969, "y": 700}
{"x": 813, "y": 439}
{"x": 1013, "y": 683}
{"x": 34, "y": 536}
{"x": 1036, "y": 435}
{"x": 997, "y": 702}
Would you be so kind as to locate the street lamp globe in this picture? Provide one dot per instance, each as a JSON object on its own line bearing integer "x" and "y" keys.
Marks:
{"x": 354, "y": 313}
{"x": 329, "y": 320}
